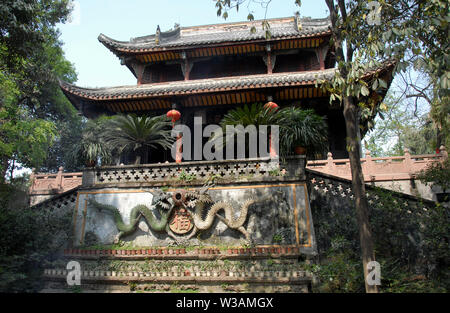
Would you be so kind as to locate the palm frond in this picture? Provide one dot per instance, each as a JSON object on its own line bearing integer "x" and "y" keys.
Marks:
{"x": 131, "y": 132}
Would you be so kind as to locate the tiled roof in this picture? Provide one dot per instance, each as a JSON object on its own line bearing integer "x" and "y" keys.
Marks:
{"x": 199, "y": 86}
{"x": 190, "y": 37}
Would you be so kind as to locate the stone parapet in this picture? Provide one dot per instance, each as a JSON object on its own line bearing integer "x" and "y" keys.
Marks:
{"x": 46, "y": 185}
{"x": 381, "y": 168}
{"x": 196, "y": 173}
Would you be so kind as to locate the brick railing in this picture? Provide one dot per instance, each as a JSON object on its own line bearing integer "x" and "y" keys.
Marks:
{"x": 379, "y": 169}
{"x": 49, "y": 184}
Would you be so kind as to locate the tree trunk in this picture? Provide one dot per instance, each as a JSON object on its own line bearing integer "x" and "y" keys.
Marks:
{"x": 362, "y": 209}
{"x": 439, "y": 138}
{"x": 4, "y": 169}
{"x": 141, "y": 155}
{"x": 138, "y": 159}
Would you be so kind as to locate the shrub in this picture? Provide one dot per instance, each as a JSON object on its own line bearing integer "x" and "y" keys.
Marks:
{"x": 29, "y": 239}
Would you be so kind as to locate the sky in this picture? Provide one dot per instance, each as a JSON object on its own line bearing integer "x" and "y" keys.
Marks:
{"x": 96, "y": 66}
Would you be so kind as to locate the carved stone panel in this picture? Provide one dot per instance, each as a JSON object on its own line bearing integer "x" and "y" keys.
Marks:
{"x": 272, "y": 214}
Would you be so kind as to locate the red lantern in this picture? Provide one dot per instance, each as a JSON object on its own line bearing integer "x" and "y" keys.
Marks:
{"x": 271, "y": 105}
{"x": 174, "y": 115}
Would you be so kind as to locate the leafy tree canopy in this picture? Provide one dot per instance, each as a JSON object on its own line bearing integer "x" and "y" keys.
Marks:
{"x": 34, "y": 113}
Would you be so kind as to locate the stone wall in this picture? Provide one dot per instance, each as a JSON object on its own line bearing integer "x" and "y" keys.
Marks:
{"x": 333, "y": 206}
{"x": 280, "y": 215}
{"x": 219, "y": 258}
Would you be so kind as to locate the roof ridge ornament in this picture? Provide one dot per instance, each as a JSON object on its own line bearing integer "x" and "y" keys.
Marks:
{"x": 157, "y": 35}
{"x": 297, "y": 22}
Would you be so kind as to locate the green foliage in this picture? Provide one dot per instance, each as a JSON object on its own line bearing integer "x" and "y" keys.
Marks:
{"x": 398, "y": 129}
{"x": 255, "y": 114}
{"x": 25, "y": 25}
{"x": 411, "y": 244}
{"x": 62, "y": 151}
{"x": 92, "y": 147}
{"x": 23, "y": 136}
{"x": 297, "y": 126}
{"x": 137, "y": 133}
{"x": 30, "y": 238}
{"x": 32, "y": 106}
{"x": 303, "y": 128}
{"x": 186, "y": 177}
{"x": 341, "y": 271}
{"x": 277, "y": 238}
{"x": 437, "y": 173}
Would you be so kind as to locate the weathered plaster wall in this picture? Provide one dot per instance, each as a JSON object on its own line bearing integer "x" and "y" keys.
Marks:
{"x": 411, "y": 187}
{"x": 281, "y": 215}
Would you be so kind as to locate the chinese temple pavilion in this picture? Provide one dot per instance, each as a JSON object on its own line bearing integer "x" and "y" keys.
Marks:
{"x": 241, "y": 225}
{"x": 207, "y": 70}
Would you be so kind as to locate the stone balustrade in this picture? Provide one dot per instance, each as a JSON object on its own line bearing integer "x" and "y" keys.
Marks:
{"x": 375, "y": 169}
{"x": 196, "y": 173}
{"x": 380, "y": 168}
{"x": 46, "y": 185}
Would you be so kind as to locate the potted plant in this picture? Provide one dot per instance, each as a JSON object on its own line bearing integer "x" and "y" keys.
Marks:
{"x": 302, "y": 132}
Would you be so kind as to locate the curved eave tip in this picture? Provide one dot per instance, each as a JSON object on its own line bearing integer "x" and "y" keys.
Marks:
{"x": 63, "y": 84}
{"x": 104, "y": 39}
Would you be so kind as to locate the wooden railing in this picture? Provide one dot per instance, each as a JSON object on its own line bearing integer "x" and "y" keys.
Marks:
{"x": 380, "y": 168}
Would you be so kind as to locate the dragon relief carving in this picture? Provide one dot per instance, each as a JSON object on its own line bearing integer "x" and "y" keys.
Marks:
{"x": 181, "y": 214}
{"x": 161, "y": 201}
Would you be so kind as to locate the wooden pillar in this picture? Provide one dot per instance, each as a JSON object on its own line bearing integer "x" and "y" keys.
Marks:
{"x": 139, "y": 71}
{"x": 269, "y": 59}
{"x": 186, "y": 66}
{"x": 321, "y": 54}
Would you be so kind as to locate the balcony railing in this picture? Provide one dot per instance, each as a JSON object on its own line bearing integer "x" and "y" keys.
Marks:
{"x": 196, "y": 173}
{"x": 379, "y": 169}
{"x": 48, "y": 183}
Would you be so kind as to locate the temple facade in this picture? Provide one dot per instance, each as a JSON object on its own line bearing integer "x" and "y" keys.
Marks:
{"x": 208, "y": 70}
{"x": 241, "y": 225}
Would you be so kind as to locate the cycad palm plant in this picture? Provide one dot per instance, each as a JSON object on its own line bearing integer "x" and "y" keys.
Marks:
{"x": 138, "y": 134}
{"x": 298, "y": 127}
{"x": 256, "y": 114}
